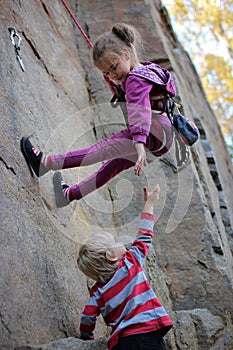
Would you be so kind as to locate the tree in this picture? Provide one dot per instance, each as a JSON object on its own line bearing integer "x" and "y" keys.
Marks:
{"x": 208, "y": 24}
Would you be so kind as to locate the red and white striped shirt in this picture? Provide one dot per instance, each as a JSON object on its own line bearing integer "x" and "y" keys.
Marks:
{"x": 127, "y": 302}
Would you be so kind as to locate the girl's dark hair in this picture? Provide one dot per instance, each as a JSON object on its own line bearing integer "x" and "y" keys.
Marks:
{"x": 125, "y": 33}
{"x": 121, "y": 36}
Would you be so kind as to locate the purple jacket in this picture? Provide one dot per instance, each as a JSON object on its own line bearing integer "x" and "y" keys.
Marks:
{"x": 142, "y": 83}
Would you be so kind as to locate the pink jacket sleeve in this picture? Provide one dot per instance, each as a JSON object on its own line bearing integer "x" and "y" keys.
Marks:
{"x": 138, "y": 106}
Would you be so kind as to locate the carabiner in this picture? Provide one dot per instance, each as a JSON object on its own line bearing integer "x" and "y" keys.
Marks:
{"x": 13, "y": 35}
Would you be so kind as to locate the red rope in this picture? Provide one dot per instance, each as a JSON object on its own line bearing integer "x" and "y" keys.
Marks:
{"x": 76, "y": 22}
{"x": 110, "y": 82}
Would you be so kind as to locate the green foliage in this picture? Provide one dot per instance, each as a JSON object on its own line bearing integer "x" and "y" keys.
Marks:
{"x": 205, "y": 28}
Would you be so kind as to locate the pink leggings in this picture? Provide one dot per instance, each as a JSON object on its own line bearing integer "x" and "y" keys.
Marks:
{"x": 118, "y": 150}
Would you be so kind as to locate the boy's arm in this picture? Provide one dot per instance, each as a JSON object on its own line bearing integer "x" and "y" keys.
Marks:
{"x": 87, "y": 326}
{"x": 88, "y": 319}
{"x": 147, "y": 215}
{"x": 141, "y": 245}
{"x": 150, "y": 198}
{"x": 86, "y": 336}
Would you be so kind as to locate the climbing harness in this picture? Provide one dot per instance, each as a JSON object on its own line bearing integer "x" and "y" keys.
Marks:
{"x": 185, "y": 132}
{"x": 16, "y": 41}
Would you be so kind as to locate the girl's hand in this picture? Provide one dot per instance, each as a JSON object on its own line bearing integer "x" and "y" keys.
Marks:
{"x": 111, "y": 84}
{"x": 142, "y": 161}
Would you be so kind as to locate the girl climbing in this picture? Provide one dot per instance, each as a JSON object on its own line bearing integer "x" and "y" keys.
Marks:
{"x": 149, "y": 129}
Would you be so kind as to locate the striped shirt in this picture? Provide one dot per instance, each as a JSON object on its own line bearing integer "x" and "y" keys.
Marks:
{"x": 127, "y": 302}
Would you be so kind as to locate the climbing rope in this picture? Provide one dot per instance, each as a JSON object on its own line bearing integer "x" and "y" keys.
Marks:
{"x": 77, "y": 24}
{"x": 112, "y": 85}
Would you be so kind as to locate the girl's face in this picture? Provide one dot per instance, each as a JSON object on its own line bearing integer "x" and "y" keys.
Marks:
{"x": 115, "y": 66}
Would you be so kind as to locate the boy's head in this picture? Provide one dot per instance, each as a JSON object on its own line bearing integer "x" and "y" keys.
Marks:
{"x": 99, "y": 256}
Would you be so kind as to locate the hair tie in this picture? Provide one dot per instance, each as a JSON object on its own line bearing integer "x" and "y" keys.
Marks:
{"x": 121, "y": 36}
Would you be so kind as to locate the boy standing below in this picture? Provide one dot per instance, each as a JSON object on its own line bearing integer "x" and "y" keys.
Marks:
{"x": 122, "y": 293}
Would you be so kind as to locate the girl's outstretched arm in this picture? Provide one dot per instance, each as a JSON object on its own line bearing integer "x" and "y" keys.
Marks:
{"x": 142, "y": 161}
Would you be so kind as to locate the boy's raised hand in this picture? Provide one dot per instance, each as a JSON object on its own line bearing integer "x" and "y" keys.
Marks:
{"x": 150, "y": 198}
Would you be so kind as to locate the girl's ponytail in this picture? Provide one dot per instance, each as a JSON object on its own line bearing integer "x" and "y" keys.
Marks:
{"x": 124, "y": 33}
{"x": 121, "y": 36}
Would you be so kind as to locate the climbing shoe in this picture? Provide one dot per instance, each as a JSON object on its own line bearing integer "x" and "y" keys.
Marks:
{"x": 32, "y": 157}
{"x": 61, "y": 190}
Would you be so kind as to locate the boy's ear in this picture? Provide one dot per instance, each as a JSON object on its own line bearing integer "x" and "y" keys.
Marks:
{"x": 111, "y": 258}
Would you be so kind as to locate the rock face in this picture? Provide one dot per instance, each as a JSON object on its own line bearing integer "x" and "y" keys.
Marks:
{"x": 61, "y": 102}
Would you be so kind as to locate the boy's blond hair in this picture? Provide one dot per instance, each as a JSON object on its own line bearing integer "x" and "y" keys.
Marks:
{"x": 92, "y": 260}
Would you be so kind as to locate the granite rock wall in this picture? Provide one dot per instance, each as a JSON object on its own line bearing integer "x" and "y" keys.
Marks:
{"x": 62, "y": 103}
